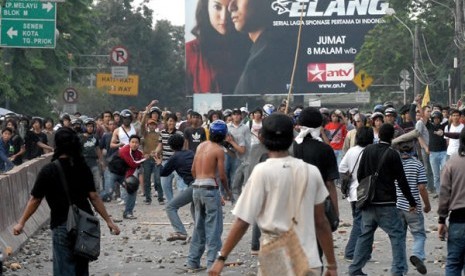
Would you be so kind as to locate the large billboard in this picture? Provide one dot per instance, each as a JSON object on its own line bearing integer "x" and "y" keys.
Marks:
{"x": 248, "y": 47}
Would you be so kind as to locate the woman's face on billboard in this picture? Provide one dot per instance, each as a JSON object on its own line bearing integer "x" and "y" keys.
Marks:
{"x": 219, "y": 15}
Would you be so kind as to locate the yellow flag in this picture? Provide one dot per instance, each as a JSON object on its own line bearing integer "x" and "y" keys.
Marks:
{"x": 426, "y": 98}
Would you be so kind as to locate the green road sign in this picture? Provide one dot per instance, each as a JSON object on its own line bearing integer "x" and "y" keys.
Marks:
{"x": 28, "y": 24}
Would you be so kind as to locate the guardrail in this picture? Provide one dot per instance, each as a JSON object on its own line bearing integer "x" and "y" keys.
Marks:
{"x": 15, "y": 189}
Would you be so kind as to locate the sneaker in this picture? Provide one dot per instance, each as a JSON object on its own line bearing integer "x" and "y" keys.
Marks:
{"x": 121, "y": 202}
{"x": 147, "y": 202}
{"x": 349, "y": 260}
{"x": 254, "y": 252}
{"x": 118, "y": 199}
{"x": 129, "y": 216}
{"x": 162, "y": 202}
{"x": 177, "y": 237}
{"x": 421, "y": 268}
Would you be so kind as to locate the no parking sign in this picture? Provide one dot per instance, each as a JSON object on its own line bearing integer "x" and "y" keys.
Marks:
{"x": 119, "y": 55}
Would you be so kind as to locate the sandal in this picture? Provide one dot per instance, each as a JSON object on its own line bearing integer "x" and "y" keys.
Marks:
{"x": 177, "y": 237}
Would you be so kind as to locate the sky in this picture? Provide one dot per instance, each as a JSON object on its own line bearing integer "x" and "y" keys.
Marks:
{"x": 172, "y": 10}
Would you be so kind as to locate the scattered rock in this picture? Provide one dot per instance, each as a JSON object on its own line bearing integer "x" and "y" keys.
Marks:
{"x": 15, "y": 266}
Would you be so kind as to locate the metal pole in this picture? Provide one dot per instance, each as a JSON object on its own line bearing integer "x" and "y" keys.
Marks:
{"x": 458, "y": 35}
{"x": 7, "y": 68}
{"x": 450, "y": 89}
{"x": 416, "y": 81}
{"x": 414, "y": 56}
{"x": 405, "y": 95}
{"x": 70, "y": 74}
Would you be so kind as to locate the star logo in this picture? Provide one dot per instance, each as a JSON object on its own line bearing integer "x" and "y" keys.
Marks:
{"x": 316, "y": 72}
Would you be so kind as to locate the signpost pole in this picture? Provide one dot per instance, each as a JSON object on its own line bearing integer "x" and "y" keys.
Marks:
{"x": 405, "y": 95}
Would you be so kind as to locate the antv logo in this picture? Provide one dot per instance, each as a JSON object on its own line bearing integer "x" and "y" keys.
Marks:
{"x": 325, "y": 72}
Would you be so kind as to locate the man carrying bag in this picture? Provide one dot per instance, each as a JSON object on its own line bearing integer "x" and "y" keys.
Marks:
{"x": 81, "y": 190}
{"x": 382, "y": 211}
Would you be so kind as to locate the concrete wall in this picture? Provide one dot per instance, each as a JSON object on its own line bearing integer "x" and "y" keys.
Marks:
{"x": 15, "y": 188}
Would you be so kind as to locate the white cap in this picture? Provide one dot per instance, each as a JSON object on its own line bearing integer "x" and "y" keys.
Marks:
{"x": 244, "y": 109}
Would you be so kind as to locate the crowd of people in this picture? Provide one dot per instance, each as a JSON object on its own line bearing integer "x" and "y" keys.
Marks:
{"x": 207, "y": 159}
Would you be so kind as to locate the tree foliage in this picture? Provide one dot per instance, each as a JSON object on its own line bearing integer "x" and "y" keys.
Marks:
{"x": 388, "y": 49}
{"x": 32, "y": 80}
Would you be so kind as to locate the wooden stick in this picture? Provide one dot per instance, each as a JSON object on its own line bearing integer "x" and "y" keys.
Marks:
{"x": 167, "y": 223}
{"x": 296, "y": 57}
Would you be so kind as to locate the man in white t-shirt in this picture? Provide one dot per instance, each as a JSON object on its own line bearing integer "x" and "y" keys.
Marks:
{"x": 274, "y": 186}
{"x": 455, "y": 127}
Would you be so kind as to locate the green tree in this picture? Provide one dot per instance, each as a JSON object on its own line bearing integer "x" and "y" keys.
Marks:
{"x": 155, "y": 54}
{"x": 31, "y": 77}
{"x": 388, "y": 49}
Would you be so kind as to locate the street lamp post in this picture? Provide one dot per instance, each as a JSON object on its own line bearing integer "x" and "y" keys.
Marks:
{"x": 416, "y": 84}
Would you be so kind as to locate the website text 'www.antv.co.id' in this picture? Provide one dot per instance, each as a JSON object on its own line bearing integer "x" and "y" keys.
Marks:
{"x": 331, "y": 85}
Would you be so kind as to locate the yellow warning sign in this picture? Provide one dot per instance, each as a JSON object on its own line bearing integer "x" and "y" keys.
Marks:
{"x": 363, "y": 80}
{"x": 125, "y": 87}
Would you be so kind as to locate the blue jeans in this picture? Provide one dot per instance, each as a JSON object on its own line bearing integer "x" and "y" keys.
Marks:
{"x": 437, "y": 160}
{"x": 416, "y": 224}
{"x": 180, "y": 185}
{"x": 181, "y": 199}
{"x": 338, "y": 154}
{"x": 130, "y": 200}
{"x": 429, "y": 174}
{"x": 455, "y": 249}
{"x": 110, "y": 181}
{"x": 97, "y": 175}
{"x": 64, "y": 261}
{"x": 208, "y": 227}
{"x": 354, "y": 233}
{"x": 240, "y": 178}
{"x": 149, "y": 168}
{"x": 230, "y": 167}
{"x": 389, "y": 220}
{"x": 167, "y": 184}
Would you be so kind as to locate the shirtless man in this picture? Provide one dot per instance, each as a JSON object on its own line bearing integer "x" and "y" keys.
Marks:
{"x": 208, "y": 163}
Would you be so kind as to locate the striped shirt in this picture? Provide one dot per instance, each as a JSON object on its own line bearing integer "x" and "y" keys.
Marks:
{"x": 415, "y": 174}
{"x": 163, "y": 139}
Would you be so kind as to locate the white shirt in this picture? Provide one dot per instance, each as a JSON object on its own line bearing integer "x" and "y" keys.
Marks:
{"x": 270, "y": 197}
{"x": 123, "y": 136}
{"x": 453, "y": 146}
{"x": 255, "y": 130}
{"x": 347, "y": 164}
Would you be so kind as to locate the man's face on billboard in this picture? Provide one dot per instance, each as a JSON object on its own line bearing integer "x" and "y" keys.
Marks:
{"x": 219, "y": 15}
{"x": 242, "y": 12}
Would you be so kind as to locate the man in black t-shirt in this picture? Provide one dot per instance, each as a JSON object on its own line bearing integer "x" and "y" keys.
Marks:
{"x": 314, "y": 151}
{"x": 80, "y": 190}
{"x": 36, "y": 140}
{"x": 91, "y": 152}
{"x": 195, "y": 134}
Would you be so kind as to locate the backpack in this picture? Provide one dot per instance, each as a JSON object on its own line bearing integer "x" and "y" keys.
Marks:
{"x": 117, "y": 165}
